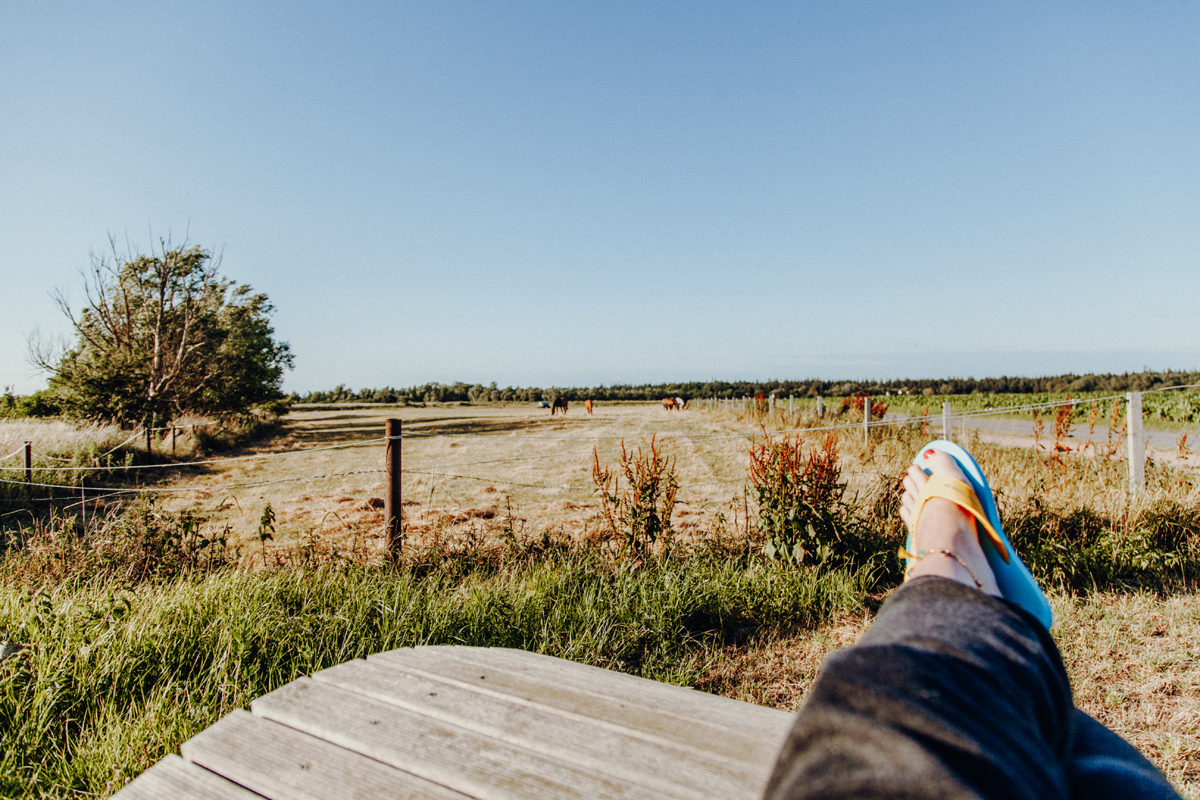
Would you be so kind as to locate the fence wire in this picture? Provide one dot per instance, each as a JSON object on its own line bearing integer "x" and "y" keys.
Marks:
{"x": 205, "y": 462}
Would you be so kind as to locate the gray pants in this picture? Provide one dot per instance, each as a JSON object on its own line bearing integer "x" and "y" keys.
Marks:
{"x": 953, "y": 694}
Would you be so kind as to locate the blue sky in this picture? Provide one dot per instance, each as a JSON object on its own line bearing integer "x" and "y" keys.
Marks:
{"x": 571, "y": 193}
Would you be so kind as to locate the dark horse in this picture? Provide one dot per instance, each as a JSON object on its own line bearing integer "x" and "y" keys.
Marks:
{"x": 559, "y": 402}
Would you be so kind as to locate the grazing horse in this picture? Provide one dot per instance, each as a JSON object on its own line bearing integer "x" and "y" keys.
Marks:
{"x": 680, "y": 404}
{"x": 669, "y": 404}
{"x": 587, "y": 406}
{"x": 560, "y": 402}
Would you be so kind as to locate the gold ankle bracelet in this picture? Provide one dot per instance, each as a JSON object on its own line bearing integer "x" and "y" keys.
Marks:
{"x": 922, "y": 553}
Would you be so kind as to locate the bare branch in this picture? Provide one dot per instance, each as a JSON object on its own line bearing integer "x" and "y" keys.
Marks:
{"x": 43, "y": 353}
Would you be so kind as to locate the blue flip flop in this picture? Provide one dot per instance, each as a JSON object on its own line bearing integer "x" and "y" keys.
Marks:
{"x": 1012, "y": 576}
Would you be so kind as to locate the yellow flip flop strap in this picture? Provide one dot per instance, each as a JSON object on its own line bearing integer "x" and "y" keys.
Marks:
{"x": 961, "y": 494}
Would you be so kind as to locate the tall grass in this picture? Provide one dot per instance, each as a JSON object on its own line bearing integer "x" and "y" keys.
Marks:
{"x": 59, "y": 441}
{"x": 111, "y": 679}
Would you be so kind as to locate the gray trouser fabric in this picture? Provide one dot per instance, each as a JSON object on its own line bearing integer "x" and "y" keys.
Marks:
{"x": 953, "y": 694}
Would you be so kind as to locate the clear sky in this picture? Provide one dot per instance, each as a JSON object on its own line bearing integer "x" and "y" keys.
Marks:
{"x": 581, "y": 193}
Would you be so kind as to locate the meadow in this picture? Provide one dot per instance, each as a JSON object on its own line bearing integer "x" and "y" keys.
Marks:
{"x": 172, "y": 608}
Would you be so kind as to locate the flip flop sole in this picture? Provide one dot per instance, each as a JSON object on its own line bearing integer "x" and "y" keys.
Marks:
{"x": 1014, "y": 579}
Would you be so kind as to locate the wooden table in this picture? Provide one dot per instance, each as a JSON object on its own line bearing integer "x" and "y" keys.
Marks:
{"x": 455, "y": 722}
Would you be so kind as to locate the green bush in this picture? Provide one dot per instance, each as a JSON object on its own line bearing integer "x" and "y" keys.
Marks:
{"x": 39, "y": 404}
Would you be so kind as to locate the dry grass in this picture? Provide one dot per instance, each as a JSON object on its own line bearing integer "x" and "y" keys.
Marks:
{"x": 1134, "y": 662}
{"x": 528, "y": 496}
{"x": 57, "y": 439}
{"x": 778, "y": 673}
{"x": 56, "y": 443}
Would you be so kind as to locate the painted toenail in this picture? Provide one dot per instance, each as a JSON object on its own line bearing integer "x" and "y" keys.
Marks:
{"x": 928, "y": 453}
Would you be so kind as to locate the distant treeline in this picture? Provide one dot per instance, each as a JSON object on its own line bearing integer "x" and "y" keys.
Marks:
{"x": 478, "y": 393}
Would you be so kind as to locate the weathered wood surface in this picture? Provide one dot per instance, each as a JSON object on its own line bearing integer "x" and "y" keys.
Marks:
{"x": 488, "y": 723}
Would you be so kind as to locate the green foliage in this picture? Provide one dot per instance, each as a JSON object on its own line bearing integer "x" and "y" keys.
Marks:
{"x": 1080, "y": 550}
{"x": 1177, "y": 406}
{"x": 38, "y": 404}
{"x": 162, "y": 335}
{"x": 1172, "y": 406}
{"x": 276, "y": 408}
{"x": 640, "y": 515}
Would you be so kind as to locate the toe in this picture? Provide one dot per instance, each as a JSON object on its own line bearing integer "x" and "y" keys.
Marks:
{"x": 939, "y": 463}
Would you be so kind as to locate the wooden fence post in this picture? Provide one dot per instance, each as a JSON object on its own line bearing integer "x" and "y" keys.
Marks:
{"x": 791, "y": 405}
{"x": 1137, "y": 445}
{"x": 772, "y": 403}
{"x": 946, "y": 415}
{"x": 149, "y": 449}
{"x": 173, "y": 430}
{"x": 820, "y": 407}
{"x": 29, "y": 462}
{"x": 393, "y": 502}
{"x": 866, "y": 419}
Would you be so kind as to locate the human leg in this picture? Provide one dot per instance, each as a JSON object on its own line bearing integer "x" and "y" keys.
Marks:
{"x": 1102, "y": 764}
{"x": 953, "y": 692}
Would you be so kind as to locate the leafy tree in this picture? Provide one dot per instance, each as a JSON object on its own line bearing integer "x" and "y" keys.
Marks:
{"x": 161, "y": 335}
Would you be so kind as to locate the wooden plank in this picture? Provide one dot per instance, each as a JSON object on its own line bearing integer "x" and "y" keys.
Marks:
{"x": 736, "y": 741}
{"x": 174, "y": 777}
{"x": 722, "y": 728}
{"x": 455, "y": 757}
{"x": 653, "y": 694}
{"x": 284, "y": 764}
{"x": 662, "y": 766}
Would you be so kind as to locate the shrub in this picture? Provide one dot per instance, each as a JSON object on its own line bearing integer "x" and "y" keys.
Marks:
{"x": 133, "y": 544}
{"x": 806, "y": 518}
{"x": 38, "y": 404}
{"x": 799, "y": 497}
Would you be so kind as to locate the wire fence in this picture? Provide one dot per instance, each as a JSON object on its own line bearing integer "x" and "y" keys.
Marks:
{"x": 439, "y": 469}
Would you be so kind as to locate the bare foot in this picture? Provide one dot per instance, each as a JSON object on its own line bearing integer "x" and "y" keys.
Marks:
{"x": 944, "y": 526}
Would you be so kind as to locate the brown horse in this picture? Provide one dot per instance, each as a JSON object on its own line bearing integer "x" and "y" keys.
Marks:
{"x": 559, "y": 402}
{"x": 669, "y": 404}
{"x": 587, "y": 406}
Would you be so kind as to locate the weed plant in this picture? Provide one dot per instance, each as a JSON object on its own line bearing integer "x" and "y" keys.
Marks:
{"x": 639, "y": 515}
{"x": 799, "y": 498}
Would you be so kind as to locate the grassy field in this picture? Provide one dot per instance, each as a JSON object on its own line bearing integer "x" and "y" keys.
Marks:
{"x": 155, "y": 622}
